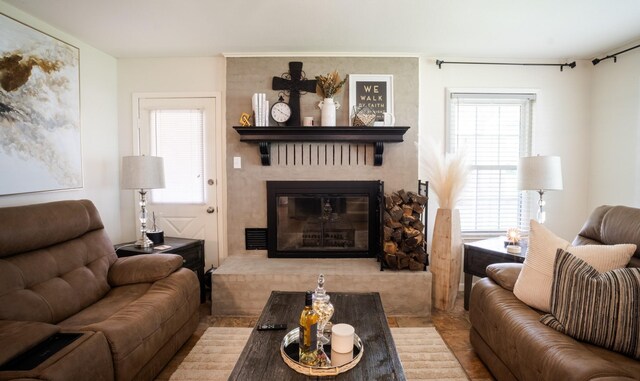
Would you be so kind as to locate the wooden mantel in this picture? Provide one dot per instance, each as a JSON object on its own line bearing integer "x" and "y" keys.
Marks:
{"x": 377, "y": 136}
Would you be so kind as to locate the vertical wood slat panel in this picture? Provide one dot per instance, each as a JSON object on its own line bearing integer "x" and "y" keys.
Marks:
{"x": 322, "y": 154}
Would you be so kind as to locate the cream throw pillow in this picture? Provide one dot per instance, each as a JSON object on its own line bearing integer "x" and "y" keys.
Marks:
{"x": 533, "y": 285}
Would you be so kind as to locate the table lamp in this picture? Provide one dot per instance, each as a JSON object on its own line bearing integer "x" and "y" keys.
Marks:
{"x": 540, "y": 173}
{"x": 142, "y": 173}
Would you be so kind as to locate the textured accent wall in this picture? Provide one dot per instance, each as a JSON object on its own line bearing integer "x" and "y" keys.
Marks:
{"x": 246, "y": 187}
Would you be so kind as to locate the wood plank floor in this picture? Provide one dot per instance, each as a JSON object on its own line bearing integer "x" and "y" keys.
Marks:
{"x": 453, "y": 326}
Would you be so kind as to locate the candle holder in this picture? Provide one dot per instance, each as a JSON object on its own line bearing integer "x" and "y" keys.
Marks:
{"x": 512, "y": 244}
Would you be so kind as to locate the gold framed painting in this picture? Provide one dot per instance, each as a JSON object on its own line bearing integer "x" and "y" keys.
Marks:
{"x": 40, "y": 136}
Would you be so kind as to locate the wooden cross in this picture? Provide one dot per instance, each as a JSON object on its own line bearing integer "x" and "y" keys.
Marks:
{"x": 294, "y": 86}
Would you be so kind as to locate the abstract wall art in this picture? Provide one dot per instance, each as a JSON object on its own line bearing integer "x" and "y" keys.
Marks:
{"x": 40, "y": 141}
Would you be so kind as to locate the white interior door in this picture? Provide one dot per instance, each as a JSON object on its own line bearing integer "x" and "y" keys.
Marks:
{"x": 182, "y": 131}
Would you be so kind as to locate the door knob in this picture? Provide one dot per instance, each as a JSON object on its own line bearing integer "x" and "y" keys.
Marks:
{"x": 211, "y": 209}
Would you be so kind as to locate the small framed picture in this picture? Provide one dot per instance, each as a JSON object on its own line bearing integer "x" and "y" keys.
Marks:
{"x": 373, "y": 91}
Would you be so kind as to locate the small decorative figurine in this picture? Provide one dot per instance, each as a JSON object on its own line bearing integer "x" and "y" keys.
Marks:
{"x": 245, "y": 120}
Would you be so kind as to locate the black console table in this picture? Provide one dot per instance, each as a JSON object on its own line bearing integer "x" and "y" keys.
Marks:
{"x": 377, "y": 136}
{"x": 478, "y": 255}
{"x": 192, "y": 250}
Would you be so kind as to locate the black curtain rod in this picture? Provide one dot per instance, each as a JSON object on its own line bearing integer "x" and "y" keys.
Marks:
{"x": 571, "y": 64}
{"x": 615, "y": 59}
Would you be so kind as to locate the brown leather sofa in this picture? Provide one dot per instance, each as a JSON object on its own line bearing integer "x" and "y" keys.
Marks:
{"x": 59, "y": 273}
{"x": 509, "y": 338}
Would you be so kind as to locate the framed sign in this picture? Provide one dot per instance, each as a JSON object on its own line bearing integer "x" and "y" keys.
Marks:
{"x": 40, "y": 142}
{"x": 374, "y": 91}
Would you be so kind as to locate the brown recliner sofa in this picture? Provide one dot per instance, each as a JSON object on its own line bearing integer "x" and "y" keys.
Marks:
{"x": 59, "y": 273}
{"x": 509, "y": 338}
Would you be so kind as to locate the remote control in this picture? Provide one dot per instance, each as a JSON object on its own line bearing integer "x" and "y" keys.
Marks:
{"x": 271, "y": 327}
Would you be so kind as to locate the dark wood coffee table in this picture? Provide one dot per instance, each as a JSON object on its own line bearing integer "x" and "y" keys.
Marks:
{"x": 260, "y": 359}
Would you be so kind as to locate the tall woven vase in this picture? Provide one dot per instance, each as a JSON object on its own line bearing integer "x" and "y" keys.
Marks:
{"x": 446, "y": 258}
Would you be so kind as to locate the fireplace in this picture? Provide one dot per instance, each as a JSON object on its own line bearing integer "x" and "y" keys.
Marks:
{"x": 324, "y": 219}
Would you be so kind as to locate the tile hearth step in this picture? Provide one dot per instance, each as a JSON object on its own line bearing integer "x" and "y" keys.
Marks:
{"x": 242, "y": 284}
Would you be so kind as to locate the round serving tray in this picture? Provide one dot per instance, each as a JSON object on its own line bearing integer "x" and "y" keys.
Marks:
{"x": 289, "y": 352}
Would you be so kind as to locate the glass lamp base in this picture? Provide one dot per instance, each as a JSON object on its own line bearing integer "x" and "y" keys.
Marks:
{"x": 542, "y": 215}
{"x": 144, "y": 242}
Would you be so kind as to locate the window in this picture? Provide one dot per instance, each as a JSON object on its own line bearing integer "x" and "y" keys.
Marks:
{"x": 494, "y": 131}
{"x": 177, "y": 136}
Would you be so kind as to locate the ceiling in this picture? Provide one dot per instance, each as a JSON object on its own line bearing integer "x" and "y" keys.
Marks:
{"x": 517, "y": 29}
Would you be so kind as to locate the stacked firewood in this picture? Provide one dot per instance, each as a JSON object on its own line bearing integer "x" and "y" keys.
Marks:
{"x": 403, "y": 231}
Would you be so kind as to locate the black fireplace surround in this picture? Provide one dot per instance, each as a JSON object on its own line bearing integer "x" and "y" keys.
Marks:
{"x": 324, "y": 219}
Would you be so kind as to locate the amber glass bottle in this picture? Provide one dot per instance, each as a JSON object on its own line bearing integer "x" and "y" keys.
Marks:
{"x": 308, "y": 334}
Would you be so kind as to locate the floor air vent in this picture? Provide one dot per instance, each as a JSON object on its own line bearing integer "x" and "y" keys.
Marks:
{"x": 255, "y": 238}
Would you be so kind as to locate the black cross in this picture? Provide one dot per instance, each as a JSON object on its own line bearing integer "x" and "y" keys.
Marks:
{"x": 294, "y": 86}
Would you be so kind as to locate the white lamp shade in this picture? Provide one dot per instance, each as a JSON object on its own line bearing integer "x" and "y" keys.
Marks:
{"x": 540, "y": 173}
{"x": 142, "y": 172}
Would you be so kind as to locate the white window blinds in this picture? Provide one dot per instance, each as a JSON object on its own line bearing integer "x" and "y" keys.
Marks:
{"x": 494, "y": 130}
{"x": 178, "y": 136}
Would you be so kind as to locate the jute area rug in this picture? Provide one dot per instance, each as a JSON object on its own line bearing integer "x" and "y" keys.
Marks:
{"x": 423, "y": 354}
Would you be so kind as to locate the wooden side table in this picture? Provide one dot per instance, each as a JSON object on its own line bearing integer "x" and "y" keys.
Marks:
{"x": 478, "y": 255}
{"x": 192, "y": 250}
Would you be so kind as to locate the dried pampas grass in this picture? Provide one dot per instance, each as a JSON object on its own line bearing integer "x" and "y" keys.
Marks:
{"x": 330, "y": 84}
{"x": 447, "y": 175}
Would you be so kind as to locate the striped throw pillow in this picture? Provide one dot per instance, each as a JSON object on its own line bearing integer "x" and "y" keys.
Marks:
{"x": 598, "y": 308}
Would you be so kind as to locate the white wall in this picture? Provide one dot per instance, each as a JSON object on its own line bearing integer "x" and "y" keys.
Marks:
{"x": 162, "y": 75}
{"x": 588, "y": 115}
{"x": 614, "y": 177}
{"x": 561, "y": 123}
{"x": 99, "y": 130}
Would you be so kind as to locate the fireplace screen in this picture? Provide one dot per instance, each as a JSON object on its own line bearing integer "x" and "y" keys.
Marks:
{"x": 320, "y": 223}
{"x": 322, "y": 219}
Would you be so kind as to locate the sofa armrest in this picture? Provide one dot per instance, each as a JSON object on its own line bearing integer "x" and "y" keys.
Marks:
{"x": 17, "y": 337}
{"x": 87, "y": 357}
{"x": 143, "y": 268}
{"x": 504, "y": 274}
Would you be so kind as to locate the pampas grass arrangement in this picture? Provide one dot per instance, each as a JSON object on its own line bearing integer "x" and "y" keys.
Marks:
{"x": 447, "y": 175}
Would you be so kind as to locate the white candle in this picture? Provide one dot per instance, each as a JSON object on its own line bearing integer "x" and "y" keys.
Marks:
{"x": 513, "y": 249}
{"x": 342, "y": 338}
{"x": 339, "y": 359}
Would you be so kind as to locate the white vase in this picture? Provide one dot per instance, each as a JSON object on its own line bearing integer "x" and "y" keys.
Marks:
{"x": 328, "y": 107}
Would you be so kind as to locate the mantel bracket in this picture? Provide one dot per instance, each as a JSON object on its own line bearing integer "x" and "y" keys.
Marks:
{"x": 378, "y": 150}
{"x": 265, "y": 153}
